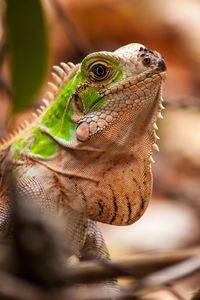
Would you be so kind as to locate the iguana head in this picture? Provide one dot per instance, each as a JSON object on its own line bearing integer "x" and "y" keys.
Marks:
{"x": 119, "y": 86}
{"x": 110, "y": 100}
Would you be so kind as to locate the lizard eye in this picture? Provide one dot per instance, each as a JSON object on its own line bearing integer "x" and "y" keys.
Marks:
{"x": 99, "y": 70}
{"x": 146, "y": 61}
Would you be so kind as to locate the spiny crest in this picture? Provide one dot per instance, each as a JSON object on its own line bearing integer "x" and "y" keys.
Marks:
{"x": 155, "y": 127}
{"x": 61, "y": 76}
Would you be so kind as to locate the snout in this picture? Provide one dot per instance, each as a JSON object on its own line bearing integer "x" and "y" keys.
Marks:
{"x": 161, "y": 64}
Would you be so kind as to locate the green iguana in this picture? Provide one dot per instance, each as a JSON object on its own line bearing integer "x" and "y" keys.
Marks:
{"x": 87, "y": 153}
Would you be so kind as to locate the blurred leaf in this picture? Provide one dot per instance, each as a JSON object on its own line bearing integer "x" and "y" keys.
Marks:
{"x": 28, "y": 48}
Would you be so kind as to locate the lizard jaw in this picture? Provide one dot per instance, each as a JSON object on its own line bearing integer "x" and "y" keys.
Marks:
{"x": 134, "y": 92}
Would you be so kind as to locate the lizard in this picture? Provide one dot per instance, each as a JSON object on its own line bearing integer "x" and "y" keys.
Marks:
{"x": 86, "y": 154}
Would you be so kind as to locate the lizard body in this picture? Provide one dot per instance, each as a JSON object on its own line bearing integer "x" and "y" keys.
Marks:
{"x": 87, "y": 153}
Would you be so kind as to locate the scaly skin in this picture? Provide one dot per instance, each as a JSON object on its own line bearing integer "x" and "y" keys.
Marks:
{"x": 87, "y": 155}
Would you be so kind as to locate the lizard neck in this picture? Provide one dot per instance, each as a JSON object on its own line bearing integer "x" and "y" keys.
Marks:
{"x": 109, "y": 187}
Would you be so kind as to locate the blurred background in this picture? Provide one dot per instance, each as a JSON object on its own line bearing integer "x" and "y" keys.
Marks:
{"x": 34, "y": 35}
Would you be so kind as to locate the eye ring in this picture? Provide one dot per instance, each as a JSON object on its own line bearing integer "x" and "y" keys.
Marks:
{"x": 99, "y": 70}
{"x": 146, "y": 61}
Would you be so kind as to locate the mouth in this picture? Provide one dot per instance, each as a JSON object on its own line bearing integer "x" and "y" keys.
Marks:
{"x": 142, "y": 82}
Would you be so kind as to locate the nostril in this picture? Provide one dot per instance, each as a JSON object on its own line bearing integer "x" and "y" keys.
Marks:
{"x": 161, "y": 64}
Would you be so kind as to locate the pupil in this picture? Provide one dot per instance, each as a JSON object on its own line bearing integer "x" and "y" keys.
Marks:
{"x": 99, "y": 70}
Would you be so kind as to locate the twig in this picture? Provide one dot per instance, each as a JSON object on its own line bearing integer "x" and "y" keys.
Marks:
{"x": 170, "y": 288}
{"x": 138, "y": 266}
{"x": 14, "y": 288}
{"x": 156, "y": 280}
{"x": 18, "y": 289}
{"x": 81, "y": 43}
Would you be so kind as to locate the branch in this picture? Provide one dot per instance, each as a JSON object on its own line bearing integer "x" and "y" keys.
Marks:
{"x": 171, "y": 289}
{"x": 81, "y": 43}
{"x": 17, "y": 289}
{"x": 138, "y": 266}
{"x": 171, "y": 274}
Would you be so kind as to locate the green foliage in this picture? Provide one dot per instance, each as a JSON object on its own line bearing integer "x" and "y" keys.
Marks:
{"x": 28, "y": 49}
